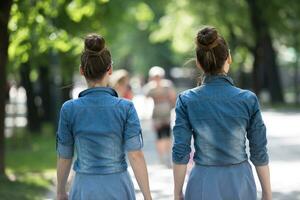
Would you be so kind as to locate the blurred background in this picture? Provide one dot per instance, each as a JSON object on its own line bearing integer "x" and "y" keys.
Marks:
{"x": 40, "y": 47}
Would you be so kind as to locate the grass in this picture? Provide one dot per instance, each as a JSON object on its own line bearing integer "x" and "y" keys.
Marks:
{"x": 30, "y": 165}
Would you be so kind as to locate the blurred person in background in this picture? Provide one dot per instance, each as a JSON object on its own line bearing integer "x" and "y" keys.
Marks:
{"x": 119, "y": 80}
{"x": 101, "y": 128}
{"x": 219, "y": 117}
{"x": 163, "y": 94}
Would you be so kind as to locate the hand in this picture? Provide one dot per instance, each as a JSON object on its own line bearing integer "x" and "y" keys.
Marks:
{"x": 266, "y": 196}
{"x": 148, "y": 197}
{"x": 179, "y": 196}
{"x": 62, "y": 196}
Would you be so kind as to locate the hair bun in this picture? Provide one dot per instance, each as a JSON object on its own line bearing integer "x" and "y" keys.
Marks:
{"x": 94, "y": 42}
{"x": 207, "y": 38}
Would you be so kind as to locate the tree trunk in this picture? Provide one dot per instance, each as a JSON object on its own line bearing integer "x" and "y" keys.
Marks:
{"x": 265, "y": 68}
{"x": 296, "y": 69}
{"x": 34, "y": 121}
{"x": 4, "y": 41}
{"x": 45, "y": 94}
{"x": 66, "y": 93}
{"x": 296, "y": 84}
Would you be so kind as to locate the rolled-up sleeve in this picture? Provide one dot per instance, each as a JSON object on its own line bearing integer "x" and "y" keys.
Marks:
{"x": 256, "y": 134}
{"x": 182, "y": 132}
{"x": 64, "y": 136}
{"x": 133, "y": 139}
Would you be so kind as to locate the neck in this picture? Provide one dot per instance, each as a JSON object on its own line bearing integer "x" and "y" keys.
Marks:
{"x": 222, "y": 73}
{"x": 98, "y": 83}
{"x": 217, "y": 74}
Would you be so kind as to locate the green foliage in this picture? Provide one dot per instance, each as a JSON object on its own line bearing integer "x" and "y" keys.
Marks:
{"x": 34, "y": 36}
{"x": 183, "y": 18}
{"x": 30, "y": 165}
{"x": 77, "y": 10}
{"x": 23, "y": 149}
{"x": 140, "y": 33}
{"x": 27, "y": 188}
{"x": 54, "y": 29}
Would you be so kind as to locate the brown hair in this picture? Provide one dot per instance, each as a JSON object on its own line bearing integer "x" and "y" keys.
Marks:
{"x": 211, "y": 50}
{"x": 95, "y": 58}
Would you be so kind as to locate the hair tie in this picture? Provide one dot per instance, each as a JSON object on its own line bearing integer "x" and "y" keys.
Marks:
{"x": 210, "y": 46}
{"x": 95, "y": 52}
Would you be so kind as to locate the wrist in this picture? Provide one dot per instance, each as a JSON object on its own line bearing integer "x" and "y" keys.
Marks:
{"x": 178, "y": 192}
{"x": 61, "y": 191}
{"x": 61, "y": 194}
{"x": 178, "y": 195}
{"x": 266, "y": 195}
{"x": 147, "y": 197}
{"x": 267, "y": 192}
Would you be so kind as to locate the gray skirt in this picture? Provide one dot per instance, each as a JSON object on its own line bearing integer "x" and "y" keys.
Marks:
{"x": 234, "y": 182}
{"x": 117, "y": 186}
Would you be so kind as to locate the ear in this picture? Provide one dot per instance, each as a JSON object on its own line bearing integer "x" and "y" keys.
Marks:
{"x": 81, "y": 71}
{"x": 110, "y": 71}
{"x": 227, "y": 63}
{"x": 229, "y": 59}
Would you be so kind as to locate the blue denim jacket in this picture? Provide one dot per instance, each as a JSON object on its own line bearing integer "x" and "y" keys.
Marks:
{"x": 220, "y": 117}
{"x": 101, "y": 127}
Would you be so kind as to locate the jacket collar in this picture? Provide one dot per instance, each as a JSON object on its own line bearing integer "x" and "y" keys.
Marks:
{"x": 98, "y": 90}
{"x": 217, "y": 80}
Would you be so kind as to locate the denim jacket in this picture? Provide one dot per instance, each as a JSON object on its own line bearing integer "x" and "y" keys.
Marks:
{"x": 220, "y": 117}
{"x": 101, "y": 127}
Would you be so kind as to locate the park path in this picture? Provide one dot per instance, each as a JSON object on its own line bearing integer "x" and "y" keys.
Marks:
{"x": 284, "y": 150}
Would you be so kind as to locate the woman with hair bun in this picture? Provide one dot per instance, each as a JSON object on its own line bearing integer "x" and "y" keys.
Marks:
{"x": 219, "y": 117}
{"x": 101, "y": 128}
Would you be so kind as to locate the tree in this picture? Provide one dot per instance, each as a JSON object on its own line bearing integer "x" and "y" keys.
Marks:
{"x": 36, "y": 41}
{"x": 265, "y": 68}
{"x": 4, "y": 40}
{"x": 254, "y": 29}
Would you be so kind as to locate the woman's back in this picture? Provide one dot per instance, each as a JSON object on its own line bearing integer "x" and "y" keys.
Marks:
{"x": 100, "y": 127}
{"x": 219, "y": 115}
{"x": 101, "y": 124}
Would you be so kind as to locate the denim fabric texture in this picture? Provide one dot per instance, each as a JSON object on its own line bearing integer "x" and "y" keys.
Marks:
{"x": 100, "y": 128}
{"x": 220, "y": 117}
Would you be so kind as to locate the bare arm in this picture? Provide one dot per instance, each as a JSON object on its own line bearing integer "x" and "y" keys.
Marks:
{"x": 263, "y": 173}
{"x": 179, "y": 171}
{"x": 181, "y": 147}
{"x": 63, "y": 170}
{"x": 257, "y": 136}
{"x": 138, "y": 164}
